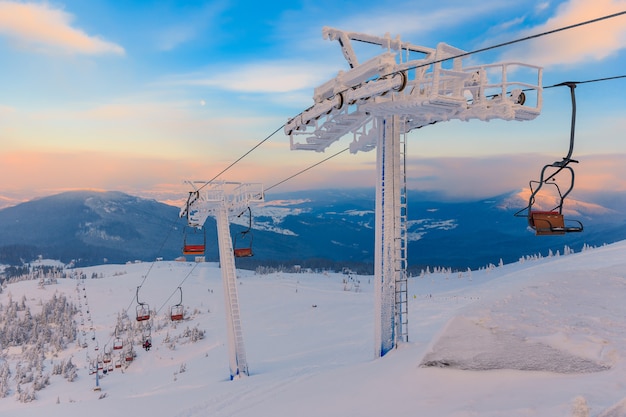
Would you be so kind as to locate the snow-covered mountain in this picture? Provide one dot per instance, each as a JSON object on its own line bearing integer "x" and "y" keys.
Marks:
{"x": 319, "y": 229}
{"x": 541, "y": 337}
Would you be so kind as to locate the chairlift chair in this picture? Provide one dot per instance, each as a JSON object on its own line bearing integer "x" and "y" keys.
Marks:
{"x": 129, "y": 355}
{"x": 194, "y": 241}
{"x": 246, "y": 235}
{"x": 177, "y": 311}
{"x": 146, "y": 336}
{"x": 142, "y": 309}
{"x": 118, "y": 343}
{"x": 552, "y": 222}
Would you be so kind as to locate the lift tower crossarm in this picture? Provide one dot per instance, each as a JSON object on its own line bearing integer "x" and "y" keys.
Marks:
{"x": 344, "y": 38}
{"x": 432, "y": 88}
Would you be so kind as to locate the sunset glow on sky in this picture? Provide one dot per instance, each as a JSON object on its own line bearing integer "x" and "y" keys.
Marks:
{"x": 139, "y": 96}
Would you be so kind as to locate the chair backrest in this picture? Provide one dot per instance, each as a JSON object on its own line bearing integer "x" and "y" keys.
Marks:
{"x": 547, "y": 222}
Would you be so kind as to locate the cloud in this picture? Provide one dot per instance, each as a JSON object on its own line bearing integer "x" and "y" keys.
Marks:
{"x": 595, "y": 41}
{"x": 494, "y": 175}
{"x": 45, "y": 173}
{"x": 44, "y": 29}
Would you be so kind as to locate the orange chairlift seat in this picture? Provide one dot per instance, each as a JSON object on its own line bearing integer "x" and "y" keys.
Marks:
{"x": 129, "y": 355}
{"x": 194, "y": 241}
{"x": 177, "y": 311}
{"x": 244, "y": 250}
{"x": 194, "y": 236}
{"x": 142, "y": 309}
{"x": 552, "y": 222}
{"x": 118, "y": 343}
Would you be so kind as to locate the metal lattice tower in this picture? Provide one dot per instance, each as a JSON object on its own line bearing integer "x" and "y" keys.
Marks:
{"x": 220, "y": 199}
{"x": 380, "y": 100}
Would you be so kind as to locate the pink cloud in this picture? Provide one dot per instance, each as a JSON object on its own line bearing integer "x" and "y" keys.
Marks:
{"x": 40, "y": 27}
{"x": 34, "y": 174}
{"x": 490, "y": 176}
{"x": 594, "y": 41}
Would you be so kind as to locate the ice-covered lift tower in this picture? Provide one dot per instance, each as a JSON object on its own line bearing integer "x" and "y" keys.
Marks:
{"x": 219, "y": 199}
{"x": 382, "y": 99}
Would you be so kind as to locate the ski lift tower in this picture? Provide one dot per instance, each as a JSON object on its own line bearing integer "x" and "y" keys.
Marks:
{"x": 219, "y": 199}
{"x": 379, "y": 101}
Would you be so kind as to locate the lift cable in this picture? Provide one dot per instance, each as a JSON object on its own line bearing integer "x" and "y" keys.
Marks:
{"x": 242, "y": 156}
{"x": 179, "y": 286}
{"x": 586, "y": 81}
{"x": 306, "y": 169}
{"x": 147, "y": 274}
{"x": 511, "y": 42}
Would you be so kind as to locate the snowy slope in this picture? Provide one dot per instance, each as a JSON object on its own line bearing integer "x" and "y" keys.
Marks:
{"x": 543, "y": 337}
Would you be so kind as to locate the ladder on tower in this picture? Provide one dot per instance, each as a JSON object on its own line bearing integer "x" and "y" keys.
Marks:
{"x": 401, "y": 308}
{"x": 240, "y": 366}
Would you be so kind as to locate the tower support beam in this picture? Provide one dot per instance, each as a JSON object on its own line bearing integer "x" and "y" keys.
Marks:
{"x": 388, "y": 272}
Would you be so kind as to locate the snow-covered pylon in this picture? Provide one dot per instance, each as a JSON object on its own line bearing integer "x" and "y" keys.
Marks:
{"x": 380, "y": 100}
{"x": 220, "y": 198}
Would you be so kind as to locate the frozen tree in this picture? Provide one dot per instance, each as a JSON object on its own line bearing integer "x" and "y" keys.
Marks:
{"x": 580, "y": 407}
{"x": 5, "y": 373}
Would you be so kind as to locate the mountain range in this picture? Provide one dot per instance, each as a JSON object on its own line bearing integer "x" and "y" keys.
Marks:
{"x": 315, "y": 229}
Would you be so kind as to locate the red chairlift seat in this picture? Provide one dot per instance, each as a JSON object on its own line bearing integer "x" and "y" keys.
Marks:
{"x": 547, "y": 223}
{"x": 142, "y": 309}
{"x": 129, "y": 354}
{"x": 143, "y": 312}
{"x": 194, "y": 249}
{"x": 118, "y": 344}
{"x": 194, "y": 241}
{"x": 177, "y": 313}
{"x": 242, "y": 252}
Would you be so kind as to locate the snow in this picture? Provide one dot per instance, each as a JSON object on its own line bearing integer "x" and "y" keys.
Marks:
{"x": 544, "y": 337}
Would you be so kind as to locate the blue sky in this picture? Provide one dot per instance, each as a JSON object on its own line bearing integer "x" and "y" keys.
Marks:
{"x": 138, "y": 96}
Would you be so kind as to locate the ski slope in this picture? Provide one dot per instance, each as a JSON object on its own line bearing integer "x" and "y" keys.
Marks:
{"x": 541, "y": 337}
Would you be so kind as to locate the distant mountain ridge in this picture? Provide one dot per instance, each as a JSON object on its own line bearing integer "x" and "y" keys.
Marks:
{"x": 320, "y": 228}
